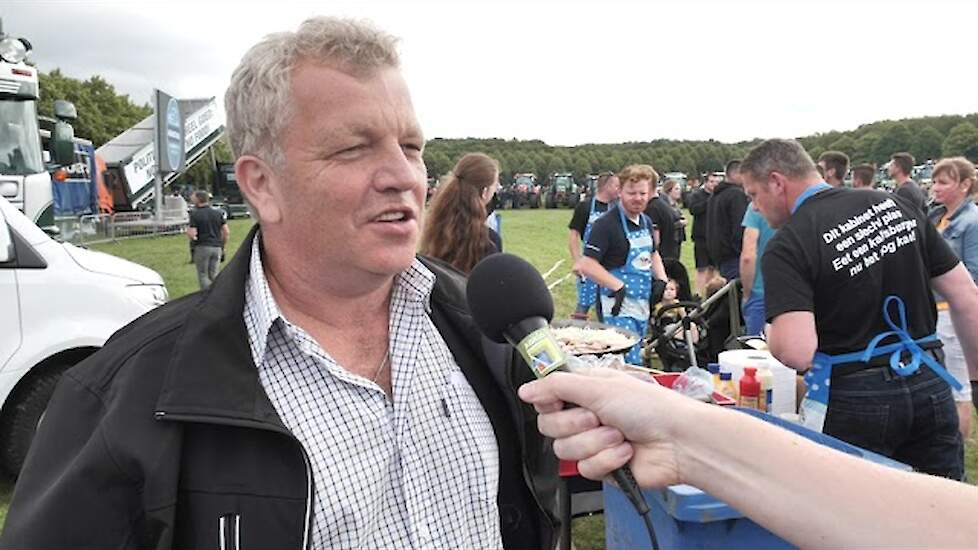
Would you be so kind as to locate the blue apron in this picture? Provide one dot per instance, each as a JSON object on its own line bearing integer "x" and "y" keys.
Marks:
{"x": 587, "y": 290}
{"x": 637, "y": 276}
{"x": 815, "y": 404}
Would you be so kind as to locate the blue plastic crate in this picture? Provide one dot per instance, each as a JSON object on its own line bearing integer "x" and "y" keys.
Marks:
{"x": 686, "y": 518}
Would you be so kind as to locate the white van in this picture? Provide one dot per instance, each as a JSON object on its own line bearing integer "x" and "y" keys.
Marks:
{"x": 58, "y": 305}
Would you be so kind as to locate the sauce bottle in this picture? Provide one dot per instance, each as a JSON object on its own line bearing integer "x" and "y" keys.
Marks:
{"x": 714, "y": 369}
{"x": 727, "y": 386}
{"x": 750, "y": 390}
{"x": 766, "y": 378}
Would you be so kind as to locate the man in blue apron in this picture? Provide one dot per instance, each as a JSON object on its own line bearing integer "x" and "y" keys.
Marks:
{"x": 620, "y": 256}
{"x": 847, "y": 289}
{"x": 585, "y": 214}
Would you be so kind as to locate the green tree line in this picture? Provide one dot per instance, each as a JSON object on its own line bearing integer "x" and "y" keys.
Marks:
{"x": 103, "y": 114}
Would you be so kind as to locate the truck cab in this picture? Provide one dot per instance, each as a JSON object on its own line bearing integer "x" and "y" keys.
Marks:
{"x": 58, "y": 305}
{"x": 24, "y": 177}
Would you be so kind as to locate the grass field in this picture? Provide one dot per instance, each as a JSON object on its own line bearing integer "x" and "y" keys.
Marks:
{"x": 540, "y": 236}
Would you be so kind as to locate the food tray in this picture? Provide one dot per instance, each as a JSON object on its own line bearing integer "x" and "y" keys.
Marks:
{"x": 633, "y": 338}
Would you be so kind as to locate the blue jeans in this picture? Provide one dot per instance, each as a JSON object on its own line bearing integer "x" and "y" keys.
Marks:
{"x": 753, "y": 312}
{"x": 912, "y": 420}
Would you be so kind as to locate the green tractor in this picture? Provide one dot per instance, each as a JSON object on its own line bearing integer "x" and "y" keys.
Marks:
{"x": 561, "y": 191}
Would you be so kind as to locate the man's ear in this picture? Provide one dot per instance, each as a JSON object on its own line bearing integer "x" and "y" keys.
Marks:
{"x": 779, "y": 182}
{"x": 257, "y": 182}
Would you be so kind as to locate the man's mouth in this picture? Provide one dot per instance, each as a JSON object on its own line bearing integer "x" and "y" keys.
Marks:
{"x": 395, "y": 215}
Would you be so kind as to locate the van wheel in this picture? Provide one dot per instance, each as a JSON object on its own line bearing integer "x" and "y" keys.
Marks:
{"x": 22, "y": 418}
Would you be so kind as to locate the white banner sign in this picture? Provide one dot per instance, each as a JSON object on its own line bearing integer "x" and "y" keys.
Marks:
{"x": 141, "y": 169}
{"x": 198, "y": 125}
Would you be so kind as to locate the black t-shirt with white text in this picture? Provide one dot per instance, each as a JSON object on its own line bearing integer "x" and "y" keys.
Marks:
{"x": 581, "y": 213}
{"x": 842, "y": 253}
{"x": 607, "y": 243}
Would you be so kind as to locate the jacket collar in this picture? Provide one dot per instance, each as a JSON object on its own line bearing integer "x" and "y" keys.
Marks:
{"x": 212, "y": 372}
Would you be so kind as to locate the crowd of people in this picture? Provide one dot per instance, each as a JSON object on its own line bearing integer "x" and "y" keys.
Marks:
{"x": 330, "y": 389}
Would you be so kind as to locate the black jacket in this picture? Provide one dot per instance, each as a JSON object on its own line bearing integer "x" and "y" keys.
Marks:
{"x": 661, "y": 214}
{"x": 166, "y": 430}
{"x": 725, "y": 214}
{"x": 698, "y": 200}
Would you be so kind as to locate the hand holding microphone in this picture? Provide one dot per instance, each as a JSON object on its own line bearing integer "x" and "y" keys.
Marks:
{"x": 510, "y": 302}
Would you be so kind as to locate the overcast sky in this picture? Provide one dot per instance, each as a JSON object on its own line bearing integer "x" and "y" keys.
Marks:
{"x": 562, "y": 71}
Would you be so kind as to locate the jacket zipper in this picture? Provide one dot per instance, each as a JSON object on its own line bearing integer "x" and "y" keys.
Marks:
{"x": 229, "y": 532}
{"x": 517, "y": 420}
{"x": 307, "y": 528}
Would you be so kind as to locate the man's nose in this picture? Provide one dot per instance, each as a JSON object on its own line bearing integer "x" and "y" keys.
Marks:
{"x": 396, "y": 170}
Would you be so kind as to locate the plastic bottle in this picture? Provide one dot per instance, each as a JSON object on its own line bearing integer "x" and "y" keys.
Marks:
{"x": 727, "y": 386}
{"x": 714, "y": 369}
{"x": 766, "y": 378}
{"x": 750, "y": 390}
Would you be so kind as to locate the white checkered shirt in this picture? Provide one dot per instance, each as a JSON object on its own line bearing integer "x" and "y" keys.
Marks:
{"x": 419, "y": 472}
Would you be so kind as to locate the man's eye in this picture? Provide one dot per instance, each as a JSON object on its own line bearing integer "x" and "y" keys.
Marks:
{"x": 351, "y": 150}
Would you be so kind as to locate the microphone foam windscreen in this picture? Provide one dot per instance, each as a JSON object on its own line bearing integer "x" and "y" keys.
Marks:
{"x": 503, "y": 290}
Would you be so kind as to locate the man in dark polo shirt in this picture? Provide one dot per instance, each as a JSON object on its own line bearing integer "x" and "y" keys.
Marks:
{"x": 209, "y": 233}
{"x": 579, "y": 229}
{"x": 848, "y": 282}
{"x": 621, "y": 257}
{"x": 901, "y": 166}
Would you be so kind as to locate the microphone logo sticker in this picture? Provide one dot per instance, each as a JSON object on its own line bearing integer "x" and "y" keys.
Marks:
{"x": 542, "y": 352}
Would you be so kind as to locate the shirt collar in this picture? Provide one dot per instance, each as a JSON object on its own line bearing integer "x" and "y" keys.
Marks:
{"x": 259, "y": 303}
{"x": 808, "y": 193}
{"x": 414, "y": 284}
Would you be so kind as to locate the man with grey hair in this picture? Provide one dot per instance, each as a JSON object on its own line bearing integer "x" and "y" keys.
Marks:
{"x": 330, "y": 389}
{"x": 847, "y": 288}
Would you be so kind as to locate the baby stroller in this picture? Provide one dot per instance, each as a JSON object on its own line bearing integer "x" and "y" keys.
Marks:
{"x": 692, "y": 332}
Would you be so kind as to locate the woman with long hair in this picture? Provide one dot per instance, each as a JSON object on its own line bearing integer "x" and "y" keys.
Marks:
{"x": 956, "y": 218}
{"x": 455, "y": 229}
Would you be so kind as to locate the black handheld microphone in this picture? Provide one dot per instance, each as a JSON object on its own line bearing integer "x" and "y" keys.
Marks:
{"x": 510, "y": 302}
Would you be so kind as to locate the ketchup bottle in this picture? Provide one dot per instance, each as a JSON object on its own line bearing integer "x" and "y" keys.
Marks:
{"x": 750, "y": 390}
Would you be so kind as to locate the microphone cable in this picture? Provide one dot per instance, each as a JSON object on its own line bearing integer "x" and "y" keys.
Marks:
{"x": 626, "y": 482}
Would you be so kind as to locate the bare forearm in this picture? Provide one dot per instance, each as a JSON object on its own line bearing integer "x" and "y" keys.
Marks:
{"x": 965, "y": 319}
{"x": 815, "y": 497}
{"x": 594, "y": 271}
{"x": 658, "y": 269}
{"x": 747, "y": 266}
{"x": 574, "y": 244}
{"x": 959, "y": 289}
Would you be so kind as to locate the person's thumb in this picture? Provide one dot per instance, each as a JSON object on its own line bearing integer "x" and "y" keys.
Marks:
{"x": 579, "y": 389}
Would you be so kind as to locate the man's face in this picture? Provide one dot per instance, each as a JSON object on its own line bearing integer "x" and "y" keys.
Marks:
{"x": 711, "y": 183}
{"x": 614, "y": 188}
{"x": 894, "y": 170}
{"x": 353, "y": 182}
{"x": 768, "y": 198}
{"x": 635, "y": 196}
